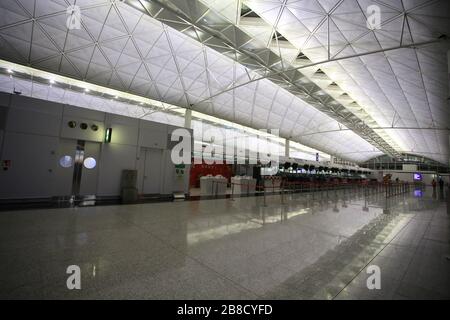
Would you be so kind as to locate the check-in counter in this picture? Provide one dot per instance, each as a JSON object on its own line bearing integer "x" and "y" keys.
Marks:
{"x": 220, "y": 185}
{"x": 206, "y": 185}
{"x": 213, "y": 185}
{"x": 243, "y": 184}
{"x": 272, "y": 183}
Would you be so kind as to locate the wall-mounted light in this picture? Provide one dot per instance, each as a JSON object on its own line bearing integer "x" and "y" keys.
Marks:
{"x": 108, "y": 135}
{"x": 9, "y": 71}
{"x": 52, "y": 81}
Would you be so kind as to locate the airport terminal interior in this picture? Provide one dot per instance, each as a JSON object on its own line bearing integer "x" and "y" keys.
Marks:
{"x": 225, "y": 149}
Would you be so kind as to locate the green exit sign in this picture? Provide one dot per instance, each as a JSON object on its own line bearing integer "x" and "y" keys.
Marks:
{"x": 108, "y": 135}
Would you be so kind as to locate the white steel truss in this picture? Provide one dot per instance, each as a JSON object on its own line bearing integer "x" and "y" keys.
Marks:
{"x": 203, "y": 55}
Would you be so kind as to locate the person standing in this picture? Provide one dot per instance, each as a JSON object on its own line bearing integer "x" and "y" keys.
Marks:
{"x": 441, "y": 184}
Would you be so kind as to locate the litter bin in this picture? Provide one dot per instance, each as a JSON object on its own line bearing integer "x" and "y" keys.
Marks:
{"x": 129, "y": 192}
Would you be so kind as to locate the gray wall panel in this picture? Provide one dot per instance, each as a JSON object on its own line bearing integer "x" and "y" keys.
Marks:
{"x": 33, "y": 162}
{"x": 33, "y": 122}
{"x": 114, "y": 159}
{"x": 36, "y": 132}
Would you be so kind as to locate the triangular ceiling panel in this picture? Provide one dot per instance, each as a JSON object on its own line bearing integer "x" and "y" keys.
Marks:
{"x": 14, "y": 48}
{"x": 118, "y": 45}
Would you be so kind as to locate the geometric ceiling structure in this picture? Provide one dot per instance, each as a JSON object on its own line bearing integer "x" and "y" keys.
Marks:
{"x": 37, "y": 86}
{"x": 213, "y": 61}
{"x": 40, "y": 89}
{"x": 202, "y": 23}
{"x": 403, "y": 93}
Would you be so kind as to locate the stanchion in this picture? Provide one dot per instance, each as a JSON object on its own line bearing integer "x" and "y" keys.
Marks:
{"x": 314, "y": 191}
{"x": 217, "y": 189}
{"x": 448, "y": 208}
{"x": 232, "y": 191}
{"x": 264, "y": 195}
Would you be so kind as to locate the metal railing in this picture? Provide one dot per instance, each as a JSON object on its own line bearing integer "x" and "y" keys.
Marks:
{"x": 363, "y": 188}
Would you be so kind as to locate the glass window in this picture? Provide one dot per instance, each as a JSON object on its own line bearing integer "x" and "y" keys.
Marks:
{"x": 66, "y": 161}
{"x": 89, "y": 163}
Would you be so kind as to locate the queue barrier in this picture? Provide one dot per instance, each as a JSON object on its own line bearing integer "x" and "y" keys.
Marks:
{"x": 389, "y": 189}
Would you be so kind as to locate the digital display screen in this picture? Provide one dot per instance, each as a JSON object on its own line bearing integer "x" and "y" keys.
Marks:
{"x": 417, "y": 177}
{"x": 418, "y": 193}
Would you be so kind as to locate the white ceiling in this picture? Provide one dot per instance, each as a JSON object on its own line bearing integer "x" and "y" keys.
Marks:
{"x": 404, "y": 88}
{"x": 67, "y": 95}
{"x": 57, "y": 94}
{"x": 124, "y": 48}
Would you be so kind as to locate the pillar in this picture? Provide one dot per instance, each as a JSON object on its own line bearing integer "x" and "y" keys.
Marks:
{"x": 286, "y": 149}
{"x": 188, "y": 118}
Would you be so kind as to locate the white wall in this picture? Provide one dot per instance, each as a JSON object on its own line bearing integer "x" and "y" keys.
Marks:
{"x": 32, "y": 130}
{"x": 410, "y": 167}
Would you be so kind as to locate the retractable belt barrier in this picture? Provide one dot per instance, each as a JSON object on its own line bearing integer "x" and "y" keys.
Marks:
{"x": 367, "y": 188}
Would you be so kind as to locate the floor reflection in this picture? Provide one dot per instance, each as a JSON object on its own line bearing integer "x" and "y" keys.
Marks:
{"x": 294, "y": 246}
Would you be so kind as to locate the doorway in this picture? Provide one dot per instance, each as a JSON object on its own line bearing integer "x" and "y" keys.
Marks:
{"x": 77, "y": 168}
{"x": 150, "y": 171}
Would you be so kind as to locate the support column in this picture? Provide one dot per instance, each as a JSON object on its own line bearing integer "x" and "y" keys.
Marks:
{"x": 286, "y": 148}
{"x": 188, "y": 118}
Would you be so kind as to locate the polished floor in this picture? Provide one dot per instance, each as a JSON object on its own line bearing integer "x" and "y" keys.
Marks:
{"x": 301, "y": 247}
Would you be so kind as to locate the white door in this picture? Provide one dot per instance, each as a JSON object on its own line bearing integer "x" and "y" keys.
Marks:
{"x": 152, "y": 171}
